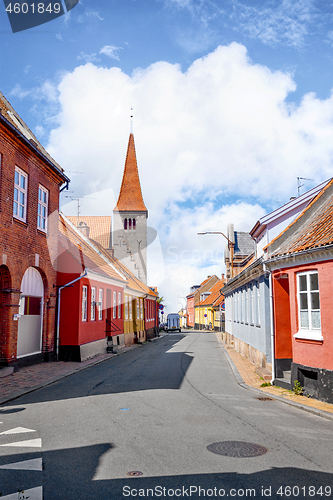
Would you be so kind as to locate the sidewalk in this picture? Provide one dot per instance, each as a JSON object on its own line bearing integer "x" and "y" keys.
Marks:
{"x": 34, "y": 377}
{"x": 246, "y": 376}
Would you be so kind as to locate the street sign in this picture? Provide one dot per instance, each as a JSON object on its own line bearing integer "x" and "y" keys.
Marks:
{"x": 161, "y": 306}
{"x": 205, "y": 315}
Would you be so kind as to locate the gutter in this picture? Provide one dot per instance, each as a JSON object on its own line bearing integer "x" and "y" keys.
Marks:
{"x": 271, "y": 311}
{"x": 30, "y": 145}
{"x": 296, "y": 254}
{"x": 58, "y": 315}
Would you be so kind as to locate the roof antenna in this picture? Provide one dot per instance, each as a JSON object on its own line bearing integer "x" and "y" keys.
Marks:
{"x": 299, "y": 185}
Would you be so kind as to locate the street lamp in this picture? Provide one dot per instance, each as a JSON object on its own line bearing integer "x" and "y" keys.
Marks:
{"x": 232, "y": 244}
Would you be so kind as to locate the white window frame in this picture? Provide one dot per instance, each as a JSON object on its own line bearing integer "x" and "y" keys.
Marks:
{"x": 130, "y": 307}
{"x": 100, "y": 304}
{"x": 141, "y": 308}
{"x": 42, "y": 205}
{"x": 114, "y": 311}
{"x": 258, "y": 302}
{"x": 92, "y": 303}
{"x": 137, "y": 309}
{"x": 119, "y": 305}
{"x": 310, "y": 332}
{"x": 20, "y": 191}
{"x": 126, "y": 307}
{"x": 84, "y": 302}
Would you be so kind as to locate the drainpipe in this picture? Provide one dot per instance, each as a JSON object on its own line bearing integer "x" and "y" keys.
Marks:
{"x": 58, "y": 315}
{"x": 271, "y": 310}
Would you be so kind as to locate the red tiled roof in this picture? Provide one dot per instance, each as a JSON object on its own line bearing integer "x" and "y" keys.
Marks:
{"x": 215, "y": 297}
{"x": 316, "y": 231}
{"x": 99, "y": 227}
{"x": 83, "y": 251}
{"x": 130, "y": 196}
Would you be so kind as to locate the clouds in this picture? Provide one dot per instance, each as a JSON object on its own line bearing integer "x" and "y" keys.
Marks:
{"x": 110, "y": 51}
{"x": 284, "y": 21}
{"x": 215, "y": 144}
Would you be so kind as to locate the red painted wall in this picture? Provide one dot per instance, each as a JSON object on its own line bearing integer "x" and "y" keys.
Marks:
{"x": 310, "y": 352}
{"x": 282, "y": 325}
{"x": 190, "y": 312}
{"x": 151, "y": 313}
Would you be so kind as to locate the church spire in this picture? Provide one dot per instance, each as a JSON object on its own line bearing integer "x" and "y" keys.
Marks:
{"x": 130, "y": 196}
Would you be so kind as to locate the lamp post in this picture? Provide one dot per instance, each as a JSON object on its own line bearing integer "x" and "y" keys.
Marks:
{"x": 232, "y": 244}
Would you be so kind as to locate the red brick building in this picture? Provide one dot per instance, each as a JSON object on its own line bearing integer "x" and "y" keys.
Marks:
{"x": 30, "y": 182}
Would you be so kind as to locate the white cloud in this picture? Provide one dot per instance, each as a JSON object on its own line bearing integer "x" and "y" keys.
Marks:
{"x": 285, "y": 21}
{"x": 88, "y": 58}
{"x": 221, "y": 129}
{"x": 110, "y": 51}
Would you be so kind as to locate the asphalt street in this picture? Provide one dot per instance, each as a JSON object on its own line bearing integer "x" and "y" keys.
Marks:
{"x": 151, "y": 413}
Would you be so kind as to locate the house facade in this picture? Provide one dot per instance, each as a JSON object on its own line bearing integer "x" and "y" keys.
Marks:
{"x": 248, "y": 305}
{"x": 30, "y": 183}
{"x": 300, "y": 263}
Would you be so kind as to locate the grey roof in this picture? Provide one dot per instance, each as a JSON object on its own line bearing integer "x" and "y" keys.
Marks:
{"x": 244, "y": 244}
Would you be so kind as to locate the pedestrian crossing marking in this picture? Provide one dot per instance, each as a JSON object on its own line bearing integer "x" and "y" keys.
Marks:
{"x": 16, "y": 430}
{"x": 33, "y": 464}
{"x": 32, "y": 494}
{"x": 31, "y": 443}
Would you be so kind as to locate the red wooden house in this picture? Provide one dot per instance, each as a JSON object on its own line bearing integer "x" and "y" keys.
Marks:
{"x": 300, "y": 261}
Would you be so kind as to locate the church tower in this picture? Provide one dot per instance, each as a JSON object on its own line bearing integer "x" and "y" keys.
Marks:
{"x": 130, "y": 219}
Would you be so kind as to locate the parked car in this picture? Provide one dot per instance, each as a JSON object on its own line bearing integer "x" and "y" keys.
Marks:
{"x": 173, "y": 322}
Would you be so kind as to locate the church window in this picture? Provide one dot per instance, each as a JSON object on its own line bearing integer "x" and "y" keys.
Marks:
{"x": 134, "y": 223}
{"x": 129, "y": 223}
{"x": 125, "y": 224}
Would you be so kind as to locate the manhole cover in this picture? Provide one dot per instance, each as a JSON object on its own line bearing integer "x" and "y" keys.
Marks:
{"x": 237, "y": 449}
{"x": 265, "y": 398}
{"x": 135, "y": 473}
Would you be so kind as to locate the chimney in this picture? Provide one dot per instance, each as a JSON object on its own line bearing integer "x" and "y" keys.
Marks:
{"x": 84, "y": 229}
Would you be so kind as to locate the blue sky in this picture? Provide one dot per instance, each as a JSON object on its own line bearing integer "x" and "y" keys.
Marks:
{"x": 232, "y": 101}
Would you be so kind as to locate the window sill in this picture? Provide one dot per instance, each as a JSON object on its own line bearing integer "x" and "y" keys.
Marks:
{"x": 40, "y": 231}
{"x": 309, "y": 335}
{"x": 20, "y": 221}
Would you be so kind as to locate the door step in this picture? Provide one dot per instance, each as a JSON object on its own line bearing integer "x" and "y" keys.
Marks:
{"x": 6, "y": 370}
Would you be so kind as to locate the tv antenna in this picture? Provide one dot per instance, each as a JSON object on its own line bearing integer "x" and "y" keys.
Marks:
{"x": 299, "y": 183}
{"x": 78, "y": 205}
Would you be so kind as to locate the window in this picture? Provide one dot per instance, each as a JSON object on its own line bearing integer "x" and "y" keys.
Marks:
{"x": 129, "y": 223}
{"x": 141, "y": 308}
{"x": 114, "y": 305}
{"x": 126, "y": 307}
{"x": 130, "y": 307}
{"x": 134, "y": 224}
{"x": 137, "y": 309}
{"x": 258, "y": 302}
{"x": 84, "y": 303}
{"x": 308, "y": 306}
{"x": 100, "y": 304}
{"x": 125, "y": 224}
{"x": 92, "y": 304}
{"x": 251, "y": 305}
{"x": 43, "y": 197}
{"x": 119, "y": 305}
{"x": 20, "y": 194}
{"x": 246, "y": 305}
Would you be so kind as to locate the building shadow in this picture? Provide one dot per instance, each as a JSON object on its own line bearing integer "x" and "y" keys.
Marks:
{"x": 68, "y": 474}
{"x": 148, "y": 367}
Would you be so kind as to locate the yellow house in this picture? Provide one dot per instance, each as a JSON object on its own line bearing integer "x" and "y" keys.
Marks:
{"x": 208, "y": 311}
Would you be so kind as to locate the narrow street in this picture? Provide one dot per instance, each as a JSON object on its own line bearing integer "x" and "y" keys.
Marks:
{"x": 154, "y": 410}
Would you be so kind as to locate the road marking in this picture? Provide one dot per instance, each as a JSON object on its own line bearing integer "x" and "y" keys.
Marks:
{"x": 32, "y": 494}
{"x": 17, "y": 430}
{"x": 33, "y": 464}
{"x": 32, "y": 443}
